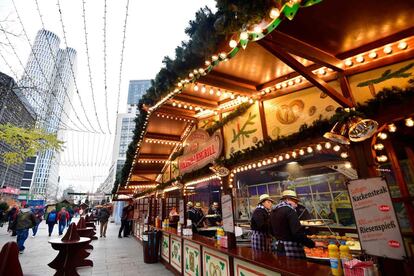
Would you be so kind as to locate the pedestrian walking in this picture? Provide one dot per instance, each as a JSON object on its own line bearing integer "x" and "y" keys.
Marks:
{"x": 124, "y": 219}
{"x": 11, "y": 217}
{"x": 63, "y": 218}
{"x": 38, "y": 213}
{"x": 70, "y": 211}
{"x": 24, "y": 221}
{"x": 51, "y": 220}
{"x": 103, "y": 219}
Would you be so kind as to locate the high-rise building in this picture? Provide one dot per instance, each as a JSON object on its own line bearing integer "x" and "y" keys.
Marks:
{"x": 15, "y": 110}
{"x": 48, "y": 83}
{"x": 125, "y": 131}
{"x": 136, "y": 89}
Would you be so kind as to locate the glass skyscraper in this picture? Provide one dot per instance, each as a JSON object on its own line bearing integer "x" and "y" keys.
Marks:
{"x": 47, "y": 83}
{"x": 136, "y": 89}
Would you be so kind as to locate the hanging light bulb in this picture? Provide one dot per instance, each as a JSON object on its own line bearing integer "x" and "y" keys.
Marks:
{"x": 214, "y": 58}
{"x": 328, "y": 145}
{"x": 301, "y": 152}
{"x": 274, "y": 159}
{"x": 211, "y": 91}
{"x": 278, "y": 86}
{"x": 280, "y": 158}
{"x": 223, "y": 55}
{"x": 287, "y": 156}
{"x": 344, "y": 155}
{"x": 348, "y": 165}
{"x": 409, "y": 122}
{"x": 309, "y": 149}
{"x": 257, "y": 29}
{"x": 195, "y": 88}
{"x": 274, "y": 13}
{"x": 336, "y": 148}
{"x": 298, "y": 80}
{"x": 360, "y": 59}
{"x": 321, "y": 71}
{"x": 203, "y": 89}
{"x": 294, "y": 154}
{"x": 318, "y": 147}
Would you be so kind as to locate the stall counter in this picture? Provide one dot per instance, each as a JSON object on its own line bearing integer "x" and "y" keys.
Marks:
{"x": 198, "y": 255}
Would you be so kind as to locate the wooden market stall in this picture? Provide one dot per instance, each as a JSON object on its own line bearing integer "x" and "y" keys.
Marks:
{"x": 235, "y": 125}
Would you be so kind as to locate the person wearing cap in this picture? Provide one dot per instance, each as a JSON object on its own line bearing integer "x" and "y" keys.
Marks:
{"x": 215, "y": 215}
{"x": 286, "y": 228}
{"x": 195, "y": 214}
{"x": 260, "y": 224}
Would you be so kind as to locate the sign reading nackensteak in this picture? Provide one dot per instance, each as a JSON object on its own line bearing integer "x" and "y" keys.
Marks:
{"x": 375, "y": 218}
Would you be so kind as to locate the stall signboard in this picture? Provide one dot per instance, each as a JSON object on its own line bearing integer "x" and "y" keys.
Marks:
{"x": 201, "y": 150}
{"x": 181, "y": 210}
{"x": 227, "y": 212}
{"x": 10, "y": 190}
{"x": 377, "y": 224}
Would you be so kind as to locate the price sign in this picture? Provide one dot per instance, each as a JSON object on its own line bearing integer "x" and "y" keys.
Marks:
{"x": 227, "y": 211}
{"x": 182, "y": 210}
{"x": 377, "y": 224}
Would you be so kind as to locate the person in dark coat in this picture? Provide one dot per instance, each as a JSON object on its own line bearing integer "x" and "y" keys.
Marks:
{"x": 51, "y": 220}
{"x": 303, "y": 213}
{"x": 103, "y": 218}
{"x": 124, "y": 219}
{"x": 12, "y": 216}
{"x": 195, "y": 215}
{"x": 260, "y": 224}
{"x": 215, "y": 212}
{"x": 286, "y": 228}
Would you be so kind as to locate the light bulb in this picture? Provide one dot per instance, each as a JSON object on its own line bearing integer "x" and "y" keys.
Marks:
{"x": 280, "y": 158}
{"x": 233, "y": 43}
{"x": 284, "y": 85}
{"x": 336, "y": 148}
{"x": 298, "y": 80}
{"x": 274, "y": 13}
{"x": 294, "y": 154}
{"x": 278, "y": 86}
{"x": 223, "y": 55}
{"x": 348, "y": 62}
{"x": 309, "y": 149}
{"x": 322, "y": 71}
{"x": 402, "y": 45}
{"x": 257, "y": 29}
{"x": 207, "y": 62}
{"x": 344, "y": 155}
{"x": 373, "y": 55}
{"x": 251, "y": 101}
{"x": 203, "y": 89}
{"x": 360, "y": 59}
{"x": 214, "y": 58}
{"x": 328, "y": 145}
{"x": 409, "y": 122}
{"x": 244, "y": 35}
{"x": 287, "y": 156}
{"x": 301, "y": 152}
{"x": 382, "y": 135}
{"x": 387, "y": 50}
{"x": 196, "y": 88}
{"x": 290, "y": 82}
{"x": 382, "y": 158}
{"x": 174, "y": 104}
{"x": 348, "y": 165}
{"x": 318, "y": 147}
{"x": 218, "y": 93}
{"x": 211, "y": 91}
{"x": 274, "y": 159}
{"x": 392, "y": 128}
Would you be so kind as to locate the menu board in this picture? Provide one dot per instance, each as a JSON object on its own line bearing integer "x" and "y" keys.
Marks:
{"x": 377, "y": 224}
{"x": 181, "y": 209}
{"x": 227, "y": 212}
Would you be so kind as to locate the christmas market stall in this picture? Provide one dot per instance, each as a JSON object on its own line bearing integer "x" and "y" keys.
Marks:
{"x": 310, "y": 100}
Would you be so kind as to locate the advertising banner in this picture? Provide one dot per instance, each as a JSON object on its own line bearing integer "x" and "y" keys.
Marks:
{"x": 377, "y": 224}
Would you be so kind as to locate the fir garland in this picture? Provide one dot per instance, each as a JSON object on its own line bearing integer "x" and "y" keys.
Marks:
{"x": 240, "y": 110}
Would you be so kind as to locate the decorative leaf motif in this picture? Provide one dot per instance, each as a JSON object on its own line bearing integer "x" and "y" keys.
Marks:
{"x": 388, "y": 74}
{"x": 243, "y": 132}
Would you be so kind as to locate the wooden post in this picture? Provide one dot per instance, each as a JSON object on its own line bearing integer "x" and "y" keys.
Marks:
{"x": 263, "y": 120}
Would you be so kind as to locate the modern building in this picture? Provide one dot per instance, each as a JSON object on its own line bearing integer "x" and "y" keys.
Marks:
{"x": 136, "y": 89}
{"x": 47, "y": 82}
{"x": 125, "y": 131}
{"x": 15, "y": 110}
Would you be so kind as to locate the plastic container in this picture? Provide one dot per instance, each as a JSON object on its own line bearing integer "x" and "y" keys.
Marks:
{"x": 334, "y": 260}
{"x": 344, "y": 254}
{"x": 151, "y": 245}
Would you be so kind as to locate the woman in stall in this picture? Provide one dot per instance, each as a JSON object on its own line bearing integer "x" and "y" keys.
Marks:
{"x": 260, "y": 224}
{"x": 286, "y": 228}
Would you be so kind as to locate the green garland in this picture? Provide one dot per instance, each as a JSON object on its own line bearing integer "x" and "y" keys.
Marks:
{"x": 240, "y": 110}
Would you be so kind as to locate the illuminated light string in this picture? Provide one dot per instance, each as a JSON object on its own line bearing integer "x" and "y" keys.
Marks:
{"x": 105, "y": 72}
{"x": 383, "y": 133}
{"x": 171, "y": 117}
{"x": 245, "y": 36}
{"x": 44, "y": 75}
{"x": 71, "y": 64}
{"x": 349, "y": 62}
{"x": 291, "y": 155}
{"x": 89, "y": 64}
{"x": 42, "y": 119}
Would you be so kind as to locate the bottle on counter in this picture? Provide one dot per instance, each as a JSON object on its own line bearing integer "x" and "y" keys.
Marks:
{"x": 344, "y": 254}
{"x": 179, "y": 228}
{"x": 334, "y": 259}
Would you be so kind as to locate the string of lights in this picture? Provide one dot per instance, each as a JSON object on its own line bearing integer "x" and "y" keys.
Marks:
{"x": 71, "y": 65}
{"x": 89, "y": 64}
{"x": 105, "y": 72}
{"x": 32, "y": 82}
{"x": 121, "y": 62}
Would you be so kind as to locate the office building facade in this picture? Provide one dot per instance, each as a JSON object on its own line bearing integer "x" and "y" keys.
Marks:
{"x": 14, "y": 110}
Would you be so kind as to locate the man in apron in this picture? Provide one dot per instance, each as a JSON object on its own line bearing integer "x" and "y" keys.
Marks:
{"x": 260, "y": 224}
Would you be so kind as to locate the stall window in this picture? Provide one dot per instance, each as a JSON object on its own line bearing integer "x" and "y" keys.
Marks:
{"x": 252, "y": 191}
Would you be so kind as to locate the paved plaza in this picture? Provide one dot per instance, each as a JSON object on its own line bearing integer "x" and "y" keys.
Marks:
{"x": 111, "y": 256}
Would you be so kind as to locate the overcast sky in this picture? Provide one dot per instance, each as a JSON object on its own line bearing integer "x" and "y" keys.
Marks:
{"x": 154, "y": 29}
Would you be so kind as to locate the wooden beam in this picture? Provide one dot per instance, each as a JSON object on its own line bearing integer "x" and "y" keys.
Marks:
{"x": 147, "y": 171}
{"x": 345, "y": 87}
{"x": 263, "y": 121}
{"x": 305, "y": 50}
{"x": 160, "y": 136}
{"x": 177, "y": 111}
{"x": 305, "y": 72}
{"x": 196, "y": 101}
{"x": 153, "y": 156}
{"x": 229, "y": 82}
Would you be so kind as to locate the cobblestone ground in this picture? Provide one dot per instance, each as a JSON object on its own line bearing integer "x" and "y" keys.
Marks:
{"x": 111, "y": 256}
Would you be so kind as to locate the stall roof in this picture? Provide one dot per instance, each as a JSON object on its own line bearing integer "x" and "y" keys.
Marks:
{"x": 322, "y": 35}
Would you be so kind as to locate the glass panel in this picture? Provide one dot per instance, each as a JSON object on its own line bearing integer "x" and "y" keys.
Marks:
{"x": 252, "y": 191}
{"x": 262, "y": 189}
